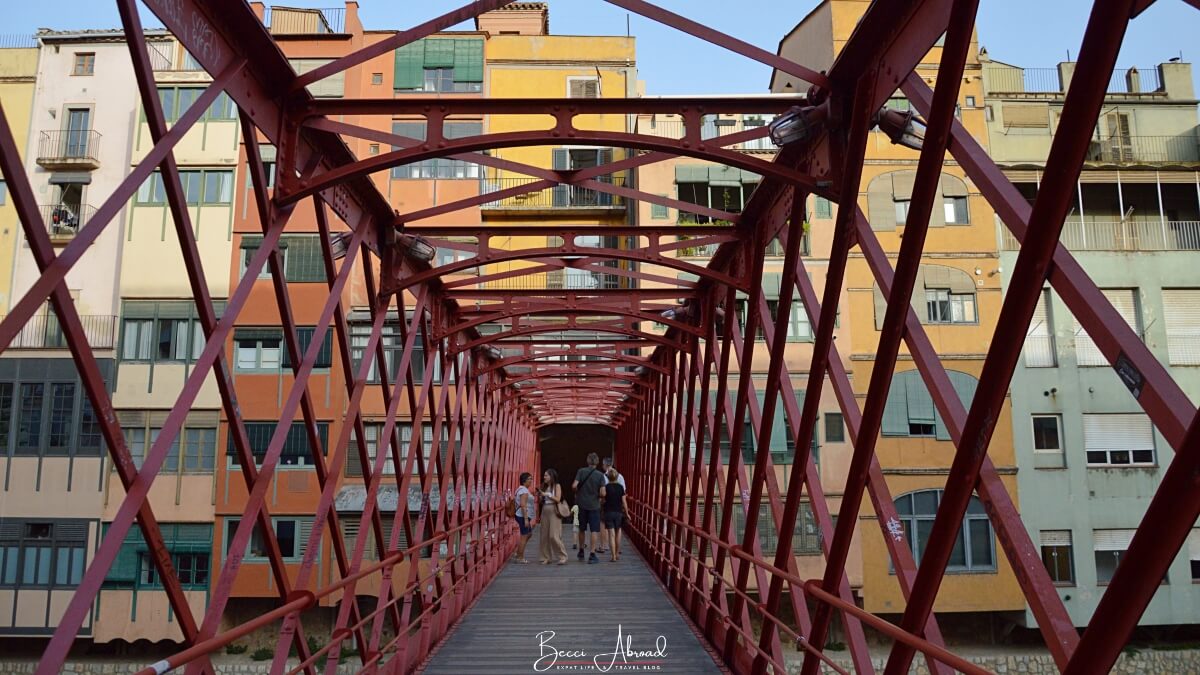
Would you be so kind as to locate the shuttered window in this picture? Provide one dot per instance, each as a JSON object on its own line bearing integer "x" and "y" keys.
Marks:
{"x": 457, "y": 64}
{"x": 1109, "y": 547}
{"x": 373, "y": 431}
{"x": 1039, "y": 338}
{"x": 1181, "y": 312}
{"x": 1124, "y": 300}
{"x": 291, "y": 533}
{"x": 350, "y": 523}
{"x": 333, "y": 86}
{"x": 190, "y": 545}
{"x": 1118, "y": 440}
{"x": 296, "y": 451}
{"x": 910, "y": 410}
{"x": 305, "y": 262}
{"x": 1058, "y": 556}
{"x": 42, "y": 554}
{"x": 583, "y": 87}
{"x": 304, "y": 335}
{"x": 1193, "y": 545}
{"x": 1031, "y": 116}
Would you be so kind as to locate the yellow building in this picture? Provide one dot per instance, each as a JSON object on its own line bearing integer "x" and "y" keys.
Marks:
{"x": 957, "y": 297}
{"x": 18, "y": 72}
{"x": 524, "y": 61}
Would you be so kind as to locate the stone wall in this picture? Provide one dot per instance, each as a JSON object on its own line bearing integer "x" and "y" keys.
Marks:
{"x": 1147, "y": 662}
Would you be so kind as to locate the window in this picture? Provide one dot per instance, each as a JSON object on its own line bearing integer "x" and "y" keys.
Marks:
{"x": 902, "y": 210}
{"x": 162, "y": 331}
{"x": 1058, "y": 556}
{"x": 376, "y": 78}
{"x": 657, "y": 211}
{"x": 835, "y": 428}
{"x": 258, "y": 349}
{"x": 372, "y": 433}
{"x": 1124, "y": 300}
{"x": 296, "y": 451}
{"x": 85, "y": 63}
{"x": 1047, "y": 433}
{"x": 44, "y": 554}
{"x": 373, "y": 149}
{"x": 1039, "y": 338}
{"x": 221, "y": 109}
{"x": 1193, "y": 544}
{"x": 458, "y": 64}
{"x": 975, "y": 549}
{"x": 989, "y": 113}
{"x": 442, "y": 167}
{"x": 199, "y": 187}
{"x": 910, "y": 411}
{"x": 717, "y": 187}
{"x": 333, "y": 86}
{"x": 726, "y": 444}
{"x": 304, "y": 336}
{"x": 583, "y": 87}
{"x": 303, "y": 261}
{"x": 1118, "y": 440}
{"x": 51, "y": 417}
{"x": 177, "y": 100}
{"x": 393, "y": 347}
{"x": 824, "y": 208}
{"x": 1109, "y": 547}
{"x": 943, "y": 306}
{"x": 970, "y": 101}
{"x": 806, "y": 536}
{"x": 190, "y": 546}
{"x": 3, "y": 192}
{"x": 193, "y": 450}
{"x": 1181, "y": 312}
{"x": 291, "y": 534}
{"x": 956, "y": 210}
{"x": 350, "y": 524}
{"x": 799, "y": 329}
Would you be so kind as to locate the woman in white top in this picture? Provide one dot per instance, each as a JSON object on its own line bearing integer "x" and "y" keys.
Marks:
{"x": 526, "y": 514}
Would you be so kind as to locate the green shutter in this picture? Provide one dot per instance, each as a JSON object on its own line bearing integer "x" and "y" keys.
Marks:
{"x": 439, "y": 53}
{"x": 659, "y": 211}
{"x": 920, "y": 403}
{"x": 824, "y": 208}
{"x": 724, "y": 175}
{"x": 468, "y": 60}
{"x": 410, "y": 66}
{"x": 304, "y": 260}
{"x": 895, "y": 411}
{"x": 691, "y": 173}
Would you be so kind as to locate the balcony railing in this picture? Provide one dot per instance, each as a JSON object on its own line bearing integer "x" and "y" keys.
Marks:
{"x": 557, "y": 197}
{"x": 722, "y": 127}
{"x": 162, "y": 59}
{"x": 555, "y": 281}
{"x": 43, "y": 332}
{"x": 774, "y": 249}
{"x": 1125, "y": 235}
{"x": 65, "y": 220}
{"x": 1004, "y": 79}
{"x": 69, "y": 148}
{"x": 295, "y": 21}
{"x": 1135, "y": 149}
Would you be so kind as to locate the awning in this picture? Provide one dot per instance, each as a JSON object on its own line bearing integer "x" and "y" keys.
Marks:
{"x": 71, "y": 177}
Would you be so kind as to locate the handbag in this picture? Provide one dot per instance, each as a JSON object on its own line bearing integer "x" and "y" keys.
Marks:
{"x": 563, "y": 510}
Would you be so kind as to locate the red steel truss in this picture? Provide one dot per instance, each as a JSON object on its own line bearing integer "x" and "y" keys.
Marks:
{"x": 654, "y": 386}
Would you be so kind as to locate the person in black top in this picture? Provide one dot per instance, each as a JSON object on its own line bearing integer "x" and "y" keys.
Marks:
{"x": 615, "y": 508}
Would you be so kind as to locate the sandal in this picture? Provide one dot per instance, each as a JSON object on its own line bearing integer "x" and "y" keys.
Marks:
{"x": 521, "y": 561}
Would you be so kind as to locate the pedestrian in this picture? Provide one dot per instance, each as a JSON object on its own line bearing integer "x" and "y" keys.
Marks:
{"x": 589, "y": 489}
{"x": 550, "y": 540}
{"x": 604, "y": 537}
{"x": 608, "y": 464}
{"x": 526, "y": 514}
{"x": 615, "y": 508}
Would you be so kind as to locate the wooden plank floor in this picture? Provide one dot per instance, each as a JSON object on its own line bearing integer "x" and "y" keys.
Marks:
{"x": 585, "y": 606}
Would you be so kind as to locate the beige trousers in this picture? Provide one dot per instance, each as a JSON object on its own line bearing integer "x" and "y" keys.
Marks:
{"x": 550, "y": 543}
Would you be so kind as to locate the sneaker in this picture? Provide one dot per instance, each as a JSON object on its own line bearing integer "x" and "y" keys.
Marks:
{"x": 592, "y": 559}
{"x": 580, "y": 555}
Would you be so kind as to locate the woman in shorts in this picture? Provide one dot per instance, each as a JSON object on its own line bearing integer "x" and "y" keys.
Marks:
{"x": 615, "y": 508}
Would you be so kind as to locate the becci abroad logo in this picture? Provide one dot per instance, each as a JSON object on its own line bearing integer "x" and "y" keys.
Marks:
{"x": 623, "y": 657}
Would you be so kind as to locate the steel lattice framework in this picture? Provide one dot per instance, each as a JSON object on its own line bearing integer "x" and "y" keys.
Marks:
{"x": 651, "y": 386}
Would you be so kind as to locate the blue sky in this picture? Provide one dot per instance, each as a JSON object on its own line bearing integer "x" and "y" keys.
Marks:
{"x": 1033, "y": 33}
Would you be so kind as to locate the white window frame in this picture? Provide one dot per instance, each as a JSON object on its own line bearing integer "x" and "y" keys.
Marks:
{"x": 1033, "y": 433}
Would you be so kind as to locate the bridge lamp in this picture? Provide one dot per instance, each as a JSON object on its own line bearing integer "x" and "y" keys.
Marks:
{"x": 903, "y": 128}
{"x": 796, "y": 125}
{"x": 417, "y": 248}
{"x": 339, "y": 243}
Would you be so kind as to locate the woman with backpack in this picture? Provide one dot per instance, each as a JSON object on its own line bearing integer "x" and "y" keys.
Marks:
{"x": 526, "y": 514}
{"x": 550, "y": 540}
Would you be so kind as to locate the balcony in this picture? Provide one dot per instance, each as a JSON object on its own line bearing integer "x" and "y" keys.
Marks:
{"x": 64, "y": 221}
{"x": 774, "y": 249}
{"x": 557, "y": 198}
{"x": 1127, "y": 235}
{"x": 69, "y": 149}
{"x": 1145, "y": 149}
{"x": 1005, "y": 79}
{"x": 43, "y": 332}
{"x": 296, "y": 21}
{"x": 674, "y": 129}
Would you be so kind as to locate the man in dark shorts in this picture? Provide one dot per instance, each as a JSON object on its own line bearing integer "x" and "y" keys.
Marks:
{"x": 589, "y": 488}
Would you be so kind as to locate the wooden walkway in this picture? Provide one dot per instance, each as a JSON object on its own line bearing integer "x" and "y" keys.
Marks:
{"x": 578, "y": 610}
